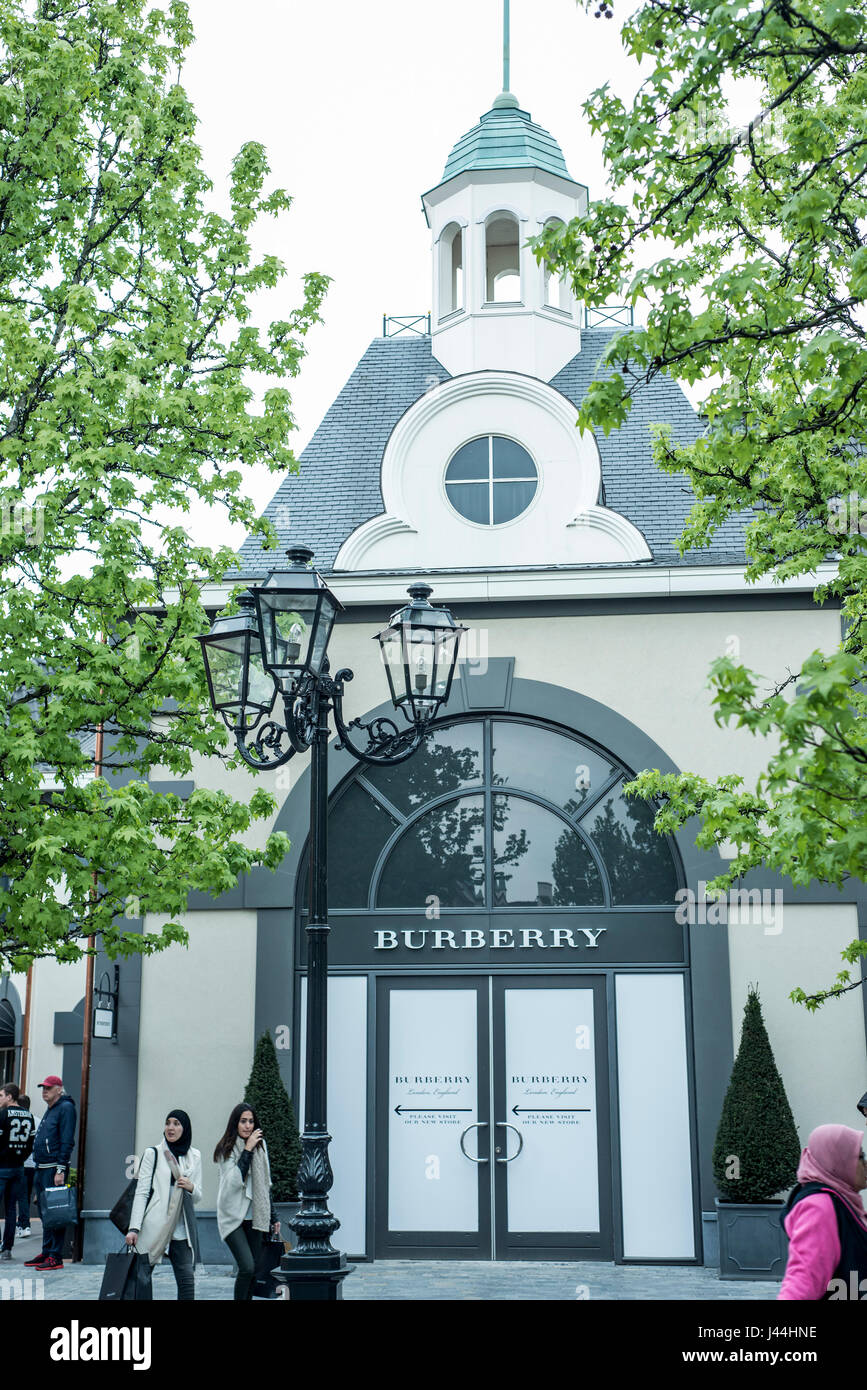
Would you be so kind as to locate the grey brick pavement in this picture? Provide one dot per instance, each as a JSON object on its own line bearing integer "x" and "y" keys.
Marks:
{"x": 425, "y": 1280}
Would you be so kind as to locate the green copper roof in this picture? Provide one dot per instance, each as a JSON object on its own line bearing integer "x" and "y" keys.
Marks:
{"x": 506, "y": 138}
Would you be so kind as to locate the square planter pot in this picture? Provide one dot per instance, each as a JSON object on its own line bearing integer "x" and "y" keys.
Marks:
{"x": 752, "y": 1242}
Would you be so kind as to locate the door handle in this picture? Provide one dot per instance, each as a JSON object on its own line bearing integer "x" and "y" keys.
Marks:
{"x": 502, "y": 1124}
{"x": 480, "y": 1124}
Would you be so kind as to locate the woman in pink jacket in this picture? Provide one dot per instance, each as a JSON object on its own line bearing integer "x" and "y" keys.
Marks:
{"x": 825, "y": 1220}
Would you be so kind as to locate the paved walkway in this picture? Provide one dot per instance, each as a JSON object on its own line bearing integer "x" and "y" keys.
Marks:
{"x": 421, "y": 1281}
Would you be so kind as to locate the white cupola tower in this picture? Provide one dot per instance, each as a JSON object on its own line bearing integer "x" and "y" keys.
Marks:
{"x": 494, "y": 307}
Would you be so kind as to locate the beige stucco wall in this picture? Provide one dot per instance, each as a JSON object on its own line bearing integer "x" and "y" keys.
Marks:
{"x": 650, "y": 668}
{"x": 821, "y": 1056}
{"x": 196, "y": 1036}
{"x": 197, "y": 1031}
{"x": 653, "y": 669}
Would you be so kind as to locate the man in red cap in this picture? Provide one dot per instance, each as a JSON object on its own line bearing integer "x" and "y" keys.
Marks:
{"x": 52, "y": 1149}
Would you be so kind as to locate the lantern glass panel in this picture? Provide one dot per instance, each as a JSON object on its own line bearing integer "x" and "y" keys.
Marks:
{"x": 260, "y": 686}
{"x": 327, "y": 611}
{"x": 391, "y": 646}
{"x": 241, "y": 688}
{"x": 421, "y": 653}
{"x": 225, "y": 662}
{"x": 287, "y": 623}
{"x": 446, "y": 643}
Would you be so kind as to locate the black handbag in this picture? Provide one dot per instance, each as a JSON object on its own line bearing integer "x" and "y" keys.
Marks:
{"x": 120, "y": 1280}
{"x": 121, "y": 1213}
{"x": 270, "y": 1255}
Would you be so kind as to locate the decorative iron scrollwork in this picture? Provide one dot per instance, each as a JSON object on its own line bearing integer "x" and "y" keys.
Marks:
{"x": 387, "y": 744}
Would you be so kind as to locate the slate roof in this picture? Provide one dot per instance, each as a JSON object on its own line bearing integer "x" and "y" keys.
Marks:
{"x": 506, "y": 138}
{"x": 657, "y": 503}
{"x": 337, "y": 487}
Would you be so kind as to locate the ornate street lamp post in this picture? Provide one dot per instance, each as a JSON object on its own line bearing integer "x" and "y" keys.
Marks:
{"x": 277, "y": 645}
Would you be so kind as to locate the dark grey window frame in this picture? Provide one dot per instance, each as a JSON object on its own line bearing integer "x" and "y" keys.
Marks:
{"x": 486, "y": 786}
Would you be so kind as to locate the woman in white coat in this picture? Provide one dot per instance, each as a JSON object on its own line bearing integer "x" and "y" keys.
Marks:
{"x": 163, "y": 1219}
{"x": 245, "y": 1211}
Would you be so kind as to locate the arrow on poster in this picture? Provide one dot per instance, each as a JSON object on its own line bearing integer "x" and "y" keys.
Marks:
{"x": 550, "y": 1109}
{"x": 432, "y": 1110}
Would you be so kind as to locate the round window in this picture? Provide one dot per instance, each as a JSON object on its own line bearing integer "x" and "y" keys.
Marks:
{"x": 491, "y": 480}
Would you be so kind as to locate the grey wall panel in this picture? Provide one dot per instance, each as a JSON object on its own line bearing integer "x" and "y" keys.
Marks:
{"x": 275, "y": 943}
{"x": 113, "y": 1090}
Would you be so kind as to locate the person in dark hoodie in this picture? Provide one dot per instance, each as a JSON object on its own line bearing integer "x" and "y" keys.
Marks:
{"x": 52, "y": 1150}
{"x": 862, "y": 1105}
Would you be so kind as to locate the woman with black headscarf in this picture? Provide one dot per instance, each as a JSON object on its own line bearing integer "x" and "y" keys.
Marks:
{"x": 163, "y": 1217}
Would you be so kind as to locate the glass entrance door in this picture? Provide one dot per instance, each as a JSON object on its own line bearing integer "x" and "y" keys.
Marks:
{"x": 433, "y": 1120}
{"x": 552, "y": 1165}
{"x": 493, "y": 1119}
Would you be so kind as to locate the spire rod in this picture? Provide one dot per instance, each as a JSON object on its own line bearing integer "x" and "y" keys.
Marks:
{"x": 505, "y": 45}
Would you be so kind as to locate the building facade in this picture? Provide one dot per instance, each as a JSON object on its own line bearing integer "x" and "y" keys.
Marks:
{"x": 533, "y": 1009}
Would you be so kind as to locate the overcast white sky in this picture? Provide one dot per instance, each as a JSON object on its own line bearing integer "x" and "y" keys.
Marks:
{"x": 359, "y": 105}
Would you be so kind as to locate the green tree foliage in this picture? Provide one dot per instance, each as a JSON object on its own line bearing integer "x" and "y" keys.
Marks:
{"x": 760, "y": 302}
{"x": 757, "y": 1149}
{"x": 276, "y": 1115}
{"x": 127, "y": 341}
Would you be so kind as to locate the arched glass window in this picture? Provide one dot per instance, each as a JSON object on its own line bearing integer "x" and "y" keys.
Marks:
{"x": 8, "y": 1050}
{"x": 557, "y": 294}
{"x": 451, "y": 270}
{"x": 539, "y": 860}
{"x": 491, "y": 815}
{"x": 502, "y": 259}
{"x": 441, "y": 855}
{"x": 491, "y": 480}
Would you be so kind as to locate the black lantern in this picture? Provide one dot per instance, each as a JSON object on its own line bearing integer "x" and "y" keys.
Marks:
{"x": 284, "y": 648}
{"x": 420, "y": 652}
{"x": 240, "y": 687}
{"x": 296, "y": 611}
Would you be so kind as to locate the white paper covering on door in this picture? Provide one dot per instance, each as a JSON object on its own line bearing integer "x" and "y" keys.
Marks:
{"x": 347, "y": 1104}
{"x": 553, "y": 1184}
{"x": 656, "y": 1170}
{"x": 432, "y": 1099}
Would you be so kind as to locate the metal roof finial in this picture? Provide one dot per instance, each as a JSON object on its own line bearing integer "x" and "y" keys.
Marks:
{"x": 505, "y": 98}
{"x": 505, "y": 45}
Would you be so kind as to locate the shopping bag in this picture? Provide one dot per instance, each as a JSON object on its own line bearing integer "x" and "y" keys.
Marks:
{"x": 270, "y": 1255}
{"x": 57, "y": 1207}
{"x": 119, "y": 1282}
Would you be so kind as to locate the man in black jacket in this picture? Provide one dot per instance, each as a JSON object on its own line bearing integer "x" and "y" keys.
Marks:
{"x": 16, "y": 1140}
{"x": 52, "y": 1149}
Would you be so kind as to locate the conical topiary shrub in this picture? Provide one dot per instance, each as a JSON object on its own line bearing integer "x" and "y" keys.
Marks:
{"x": 757, "y": 1147}
{"x": 276, "y": 1115}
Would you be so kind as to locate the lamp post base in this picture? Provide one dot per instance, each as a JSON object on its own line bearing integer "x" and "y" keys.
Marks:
{"x": 313, "y": 1279}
